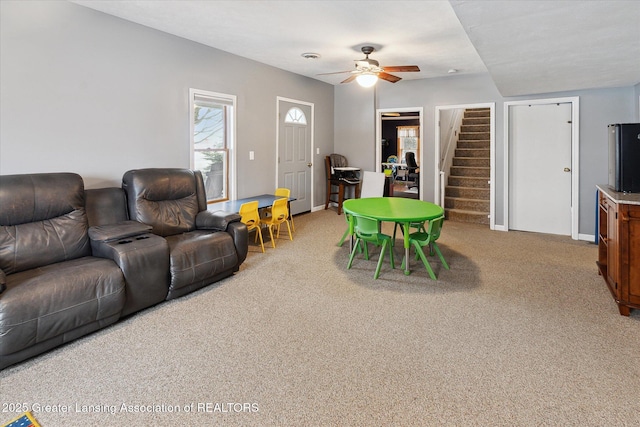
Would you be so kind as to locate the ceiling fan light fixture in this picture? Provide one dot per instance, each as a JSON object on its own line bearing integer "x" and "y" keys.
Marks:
{"x": 367, "y": 79}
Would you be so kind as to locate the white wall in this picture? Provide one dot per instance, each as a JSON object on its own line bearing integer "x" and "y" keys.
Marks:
{"x": 598, "y": 108}
{"x": 85, "y": 92}
{"x": 354, "y": 132}
{"x": 637, "y": 96}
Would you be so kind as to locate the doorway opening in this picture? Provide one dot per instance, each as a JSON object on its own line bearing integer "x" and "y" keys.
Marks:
{"x": 465, "y": 165}
{"x": 399, "y": 135}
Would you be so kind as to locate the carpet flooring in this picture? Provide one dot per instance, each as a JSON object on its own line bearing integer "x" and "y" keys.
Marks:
{"x": 522, "y": 331}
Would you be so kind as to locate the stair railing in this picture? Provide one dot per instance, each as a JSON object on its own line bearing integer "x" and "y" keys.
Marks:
{"x": 449, "y": 131}
{"x": 443, "y": 180}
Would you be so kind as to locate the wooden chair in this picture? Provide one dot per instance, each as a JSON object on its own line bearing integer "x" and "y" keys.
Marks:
{"x": 340, "y": 183}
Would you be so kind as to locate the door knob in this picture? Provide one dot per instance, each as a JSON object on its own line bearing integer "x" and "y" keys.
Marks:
{"x": 567, "y": 169}
{"x": 309, "y": 164}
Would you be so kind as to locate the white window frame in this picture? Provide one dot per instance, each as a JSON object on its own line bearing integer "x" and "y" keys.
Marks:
{"x": 231, "y": 133}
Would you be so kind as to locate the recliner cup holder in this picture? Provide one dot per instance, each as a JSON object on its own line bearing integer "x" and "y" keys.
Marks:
{"x": 124, "y": 242}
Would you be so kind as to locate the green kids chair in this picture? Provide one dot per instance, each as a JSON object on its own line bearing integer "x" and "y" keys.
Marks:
{"x": 367, "y": 230}
{"x": 420, "y": 239}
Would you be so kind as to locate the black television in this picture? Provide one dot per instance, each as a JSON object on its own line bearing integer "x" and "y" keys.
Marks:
{"x": 624, "y": 157}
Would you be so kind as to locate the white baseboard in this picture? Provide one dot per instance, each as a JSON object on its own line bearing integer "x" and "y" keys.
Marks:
{"x": 587, "y": 237}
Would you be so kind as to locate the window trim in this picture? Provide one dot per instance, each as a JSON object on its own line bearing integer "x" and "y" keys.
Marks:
{"x": 230, "y": 131}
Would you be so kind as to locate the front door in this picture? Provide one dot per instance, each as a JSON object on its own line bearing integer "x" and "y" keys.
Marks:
{"x": 294, "y": 152}
{"x": 540, "y": 168}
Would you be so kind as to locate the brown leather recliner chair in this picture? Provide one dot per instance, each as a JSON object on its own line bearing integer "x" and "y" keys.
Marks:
{"x": 55, "y": 290}
{"x": 204, "y": 246}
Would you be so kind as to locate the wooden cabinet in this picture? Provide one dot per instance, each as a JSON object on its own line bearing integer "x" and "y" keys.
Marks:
{"x": 619, "y": 246}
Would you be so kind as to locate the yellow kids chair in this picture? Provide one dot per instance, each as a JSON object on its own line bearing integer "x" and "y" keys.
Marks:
{"x": 279, "y": 215}
{"x": 251, "y": 217}
{"x": 285, "y": 192}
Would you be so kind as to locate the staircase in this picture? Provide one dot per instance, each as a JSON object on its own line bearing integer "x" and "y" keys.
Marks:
{"x": 467, "y": 193}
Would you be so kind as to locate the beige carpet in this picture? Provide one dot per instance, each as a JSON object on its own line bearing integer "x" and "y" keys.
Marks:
{"x": 520, "y": 332}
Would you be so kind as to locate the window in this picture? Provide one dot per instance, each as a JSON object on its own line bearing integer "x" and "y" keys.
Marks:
{"x": 295, "y": 115}
{"x": 212, "y": 141}
{"x": 408, "y": 140}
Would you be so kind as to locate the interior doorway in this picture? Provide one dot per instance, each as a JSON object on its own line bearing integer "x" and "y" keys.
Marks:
{"x": 465, "y": 162}
{"x": 400, "y": 131}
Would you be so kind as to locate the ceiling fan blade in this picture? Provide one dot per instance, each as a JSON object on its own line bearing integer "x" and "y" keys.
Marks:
{"x": 388, "y": 77}
{"x": 337, "y": 72}
{"x": 402, "y": 68}
{"x": 349, "y": 79}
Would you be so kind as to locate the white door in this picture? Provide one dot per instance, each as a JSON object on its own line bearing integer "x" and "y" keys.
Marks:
{"x": 540, "y": 168}
{"x": 294, "y": 153}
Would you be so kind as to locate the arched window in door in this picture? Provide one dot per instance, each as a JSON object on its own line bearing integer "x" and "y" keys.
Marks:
{"x": 295, "y": 115}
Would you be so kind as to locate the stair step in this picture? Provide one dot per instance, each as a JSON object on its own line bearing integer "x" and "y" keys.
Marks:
{"x": 467, "y": 192}
{"x": 474, "y": 143}
{"x": 474, "y": 135}
{"x": 475, "y": 127}
{"x": 468, "y": 181}
{"x": 472, "y": 161}
{"x": 473, "y": 152}
{"x": 474, "y": 205}
{"x": 477, "y": 112}
{"x": 466, "y": 216}
{"x": 469, "y": 171}
{"x": 476, "y": 120}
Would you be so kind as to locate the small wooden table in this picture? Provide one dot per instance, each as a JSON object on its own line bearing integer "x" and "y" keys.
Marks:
{"x": 395, "y": 209}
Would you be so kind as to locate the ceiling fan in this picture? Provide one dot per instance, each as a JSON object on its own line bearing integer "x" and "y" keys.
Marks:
{"x": 368, "y": 71}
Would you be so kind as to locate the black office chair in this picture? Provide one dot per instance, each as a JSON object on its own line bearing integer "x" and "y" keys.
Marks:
{"x": 412, "y": 167}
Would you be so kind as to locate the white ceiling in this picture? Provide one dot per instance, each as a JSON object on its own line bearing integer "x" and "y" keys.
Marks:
{"x": 527, "y": 46}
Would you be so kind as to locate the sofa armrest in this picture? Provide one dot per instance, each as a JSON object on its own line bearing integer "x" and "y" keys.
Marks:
{"x": 215, "y": 220}
{"x": 239, "y": 233}
{"x": 117, "y": 231}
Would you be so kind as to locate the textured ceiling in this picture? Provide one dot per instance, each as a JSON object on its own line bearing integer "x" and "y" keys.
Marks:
{"x": 527, "y": 46}
{"x": 542, "y": 46}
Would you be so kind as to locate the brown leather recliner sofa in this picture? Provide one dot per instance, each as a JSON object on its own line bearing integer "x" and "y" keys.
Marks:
{"x": 73, "y": 261}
